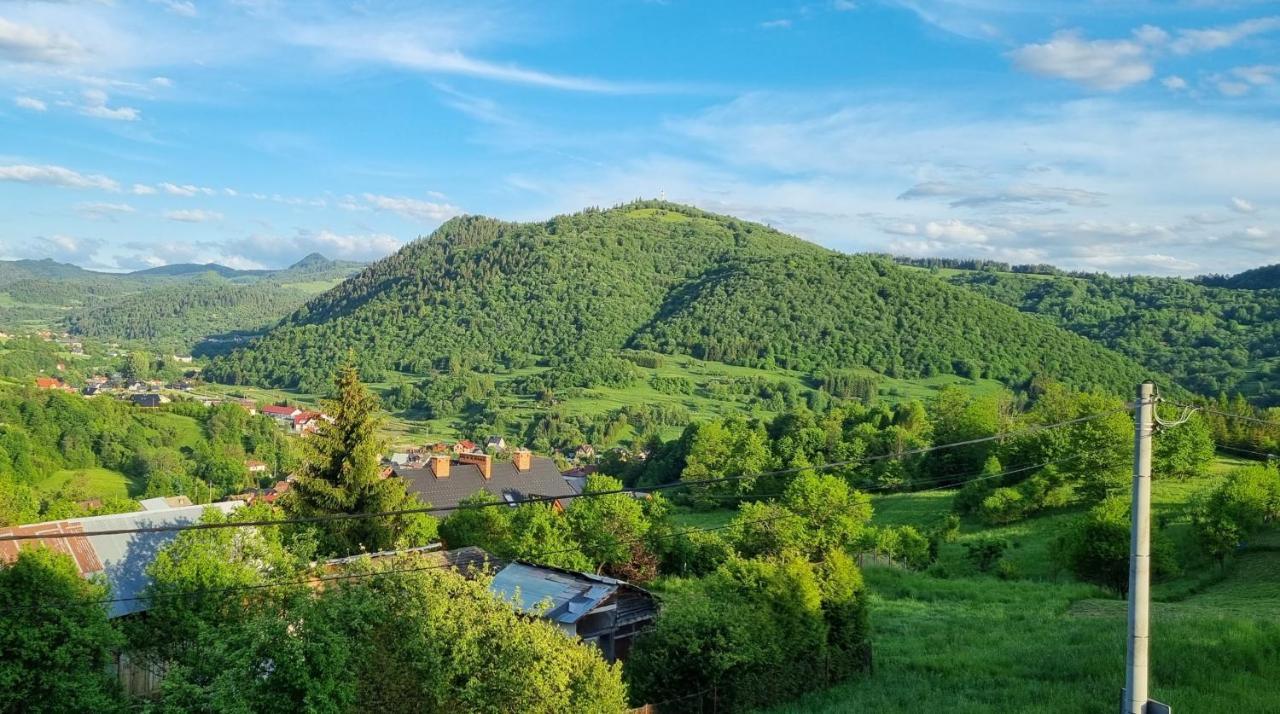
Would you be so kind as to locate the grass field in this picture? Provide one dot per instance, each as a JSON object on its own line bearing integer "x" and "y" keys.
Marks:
{"x": 92, "y": 483}
{"x": 960, "y": 641}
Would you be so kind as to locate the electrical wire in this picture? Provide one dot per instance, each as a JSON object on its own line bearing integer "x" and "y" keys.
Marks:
{"x": 530, "y": 557}
{"x": 547, "y": 499}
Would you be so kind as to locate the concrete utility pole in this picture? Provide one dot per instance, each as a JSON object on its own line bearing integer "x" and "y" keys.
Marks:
{"x": 1136, "y": 666}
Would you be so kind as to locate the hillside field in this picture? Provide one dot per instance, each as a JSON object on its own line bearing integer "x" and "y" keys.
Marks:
{"x": 956, "y": 640}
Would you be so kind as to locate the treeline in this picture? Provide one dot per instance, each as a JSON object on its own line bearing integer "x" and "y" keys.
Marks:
{"x": 1211, "y": 340}
{"x": 982, "y": 264}
{"x": 45, "y": 432}
{"x": 656, "y": 278}
{"x": 1025, "y": 468}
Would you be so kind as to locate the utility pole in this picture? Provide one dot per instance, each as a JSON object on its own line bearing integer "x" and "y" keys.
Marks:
{"x": 1137, "y": 666}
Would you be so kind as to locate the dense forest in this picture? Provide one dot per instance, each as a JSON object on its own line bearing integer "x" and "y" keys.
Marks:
{"x": 487, "y": 294}
{"x": 1210, "y": 339}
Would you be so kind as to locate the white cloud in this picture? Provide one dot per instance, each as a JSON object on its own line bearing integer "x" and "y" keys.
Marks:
{"x": 185, "y": 8}
{"x": 283, "y": 250}
{"x": 95, "y": 105}
{"x": 185, "y": 190}
{"x": 31, "y": 103}
{"x": 779, "y": 24}
{"x": 412, "y": 208}
{"x": 1189, "y": 41}
{"x": 1099, "y": 64}
{"x": 427, "y": 48}
{"x": 61, "y": 247}
{"x": 141, "y": 189}
{"x": 844, "y": 5}
{"x": 1240, "y": 205}
{"x": 103, "y": 211}
{"x": 161, "y": 82}
{"x": 1174, "y": 83}
{"x": 194, "y": 215}
{"x": 975, "y": 196}
{"x": 25, "y": 43}
{"x": 56, "y": 176}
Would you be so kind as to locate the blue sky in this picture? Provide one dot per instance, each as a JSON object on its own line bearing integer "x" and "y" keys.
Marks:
{"x": 1120, "y": 136}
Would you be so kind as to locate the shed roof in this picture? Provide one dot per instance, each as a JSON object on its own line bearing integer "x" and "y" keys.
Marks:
{"x": 558, "y": 595}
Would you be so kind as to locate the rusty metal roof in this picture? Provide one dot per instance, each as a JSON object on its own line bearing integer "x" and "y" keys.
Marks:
{"x": 122, "y": 558}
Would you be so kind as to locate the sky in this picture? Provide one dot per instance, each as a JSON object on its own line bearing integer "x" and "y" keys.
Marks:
{"x": 1122, "y": 136}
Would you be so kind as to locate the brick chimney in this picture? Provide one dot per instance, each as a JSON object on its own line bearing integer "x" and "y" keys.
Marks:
{"x": 522, "y": 459}
{"x": 439, "y": 465}
{"x": 482, "y": 461}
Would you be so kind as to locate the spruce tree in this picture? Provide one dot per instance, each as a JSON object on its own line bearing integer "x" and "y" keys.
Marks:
{"x": 342, "y": 475}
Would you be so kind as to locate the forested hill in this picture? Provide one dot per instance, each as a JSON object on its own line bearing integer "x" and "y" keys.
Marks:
{"x": 173, "y": 307}
{"x": 1211, "y": 339}
{"x": 481, "y": 293}
{"x": 1264, "y": 278}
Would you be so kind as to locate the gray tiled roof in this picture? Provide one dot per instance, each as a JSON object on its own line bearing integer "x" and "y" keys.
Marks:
{"x": 542, "y": 479}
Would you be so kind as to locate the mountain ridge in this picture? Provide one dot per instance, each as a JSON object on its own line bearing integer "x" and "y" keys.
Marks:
{"x": 487, "y": 293}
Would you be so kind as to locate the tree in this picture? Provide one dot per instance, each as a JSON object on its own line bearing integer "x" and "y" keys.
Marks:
{"x": 206, "y": 577}
{"x": 609, "y": 527}
{"x": 342, "y": 475}
{"x": 832, "y": 514}
{"x": 1224, "y": 518}
{"x": 56, "y": 642}
{"x": 421, "y": 639}
{"x": 754, "y": 633}
{"x": 1183, "y": 451}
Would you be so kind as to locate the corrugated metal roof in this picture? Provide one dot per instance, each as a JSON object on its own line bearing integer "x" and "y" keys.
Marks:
{"x": 122, "y": 558}
{"x": 548, "y": 593}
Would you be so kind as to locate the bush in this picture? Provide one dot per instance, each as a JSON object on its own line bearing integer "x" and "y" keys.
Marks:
{"x": 985, "y": 552}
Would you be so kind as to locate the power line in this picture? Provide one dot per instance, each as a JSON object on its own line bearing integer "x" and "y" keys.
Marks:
{"x": 1247, "y": 451}
{"x": 532, "y": 557}
{"x": 1229, "y": 415}
{"x": 548, "y": 499}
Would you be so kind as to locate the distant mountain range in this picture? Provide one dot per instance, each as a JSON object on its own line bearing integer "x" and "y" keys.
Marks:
{"x": 173, "y": 306}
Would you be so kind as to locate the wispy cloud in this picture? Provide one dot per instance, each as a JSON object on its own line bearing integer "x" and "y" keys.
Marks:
{"x": 31, "y": 103}
{"x": 95, "y": 105}
{"x": 99, "y": 211}
{"x": 412, "y": 208}
{"x": 1099, "y": 64}
{"x": 1215, "y": 38}
{"x": 56, "y": 176}
{"x": 185, "y": 190}
{"x": 193, "y": 215}
{"x": 27, "y": 43}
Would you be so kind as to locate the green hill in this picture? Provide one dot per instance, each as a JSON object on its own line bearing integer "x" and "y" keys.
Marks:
{"x": 1264, "y": 278}
{"x": 1211, "y": 339}
{"x": 482, "y": 293}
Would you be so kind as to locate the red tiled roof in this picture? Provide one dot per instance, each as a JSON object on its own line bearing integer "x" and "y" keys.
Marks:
{"x": 78, "y": 548}
{"x": 277, "y": 409}
{"x": 48, "y": 382}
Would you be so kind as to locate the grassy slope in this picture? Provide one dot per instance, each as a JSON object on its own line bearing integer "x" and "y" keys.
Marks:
{"x": 973, "y": 643}
{"x": 97, "y": 483}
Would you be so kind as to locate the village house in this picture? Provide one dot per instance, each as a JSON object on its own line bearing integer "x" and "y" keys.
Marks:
{"x": 495, "y": 443}
{"x": 255, "y": 466}
{"x": 602, "y": 611}
{"x": 307, "y": 422}
{"x": 444, "y": 481}
{"x": 150, "y": 400}
{"x": 49, "y": 383}
{"x": 464, "y": 446}
{"x": 282, "y": 413}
